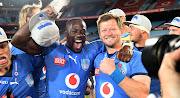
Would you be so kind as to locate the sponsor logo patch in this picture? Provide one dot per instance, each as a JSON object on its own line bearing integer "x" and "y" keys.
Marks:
{"x": 107, "y": 90}
{"x": 59, "y": 61}
{"x": 68, "y": 92}
{"x": 97, "y": 71}
{"x": 72, "y": 80}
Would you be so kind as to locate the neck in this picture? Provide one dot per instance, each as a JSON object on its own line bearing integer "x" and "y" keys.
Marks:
{"x": 140, "y": 44}
{"x": 142, "y": 41}
{"x": 111, "y": 50}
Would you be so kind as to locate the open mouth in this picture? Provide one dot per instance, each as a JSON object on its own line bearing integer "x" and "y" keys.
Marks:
{"x": 78, "y": 41}
{"x": 78, "y": 44}
{"x": 3, "y": 60}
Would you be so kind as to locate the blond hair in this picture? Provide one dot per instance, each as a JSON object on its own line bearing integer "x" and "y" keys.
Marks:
{"x": 27, "y": 11}
{"x": 108, "y": 16}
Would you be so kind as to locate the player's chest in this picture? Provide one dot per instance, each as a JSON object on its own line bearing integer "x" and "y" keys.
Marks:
{"x": 80, "y": 61}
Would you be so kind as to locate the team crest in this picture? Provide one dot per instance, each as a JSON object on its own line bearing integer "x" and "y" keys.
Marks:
{"x": 29, "y": 80}
{"x": 41, "y": 16}
{"x": 122, "y": 67}
{"x": 85, "y": 64}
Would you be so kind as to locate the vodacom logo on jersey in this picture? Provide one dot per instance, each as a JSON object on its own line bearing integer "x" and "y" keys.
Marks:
{"x": 72, "y": 80}
{"x": 107, "y": 90}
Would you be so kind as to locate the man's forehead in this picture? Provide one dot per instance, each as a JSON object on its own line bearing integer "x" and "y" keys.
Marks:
{"x": 173, "y": 27}
{"x": 77, "y": 25}
{"x": 76, "y": 22}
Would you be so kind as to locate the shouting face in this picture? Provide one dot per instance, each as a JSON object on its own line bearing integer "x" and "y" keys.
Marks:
{"x": 5, "y": 55}
{"x": 75, "y": 33}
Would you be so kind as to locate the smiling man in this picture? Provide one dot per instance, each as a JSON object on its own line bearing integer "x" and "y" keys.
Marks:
{"x": 114, "y": 78}
{"x": 67, "y": 65}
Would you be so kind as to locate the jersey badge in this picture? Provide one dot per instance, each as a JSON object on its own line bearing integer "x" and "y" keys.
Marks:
{"x": 29, "y": 80}
{"x": 122, "y": 67}
{"x": 85, "y": 64}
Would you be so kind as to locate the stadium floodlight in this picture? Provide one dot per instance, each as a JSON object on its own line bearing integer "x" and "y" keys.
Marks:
{"x": 1, "y": 4}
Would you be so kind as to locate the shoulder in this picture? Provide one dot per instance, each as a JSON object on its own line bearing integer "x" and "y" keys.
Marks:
{"x": 100, "y": 56}
{"x": 96, "y": 43}
{"x": 136, "y": 54}
{"x": 15, "y": 50}
{"x": 26, "y": 57}
{"x": 49, "y": 49}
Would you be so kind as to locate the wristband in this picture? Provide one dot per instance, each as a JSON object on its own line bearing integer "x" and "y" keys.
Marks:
{"x": 117, "y": 76}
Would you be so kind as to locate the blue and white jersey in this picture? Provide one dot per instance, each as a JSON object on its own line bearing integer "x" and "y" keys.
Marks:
{"x": 105, "y": 86}
{"x": 155, "y": 86}
{"x": 135, "y": 48}
{"x": 19, "y": 81}
{"x": 39, "y": 73}
{"x": 15, "y": 50}
{"x": 67, "y": 72}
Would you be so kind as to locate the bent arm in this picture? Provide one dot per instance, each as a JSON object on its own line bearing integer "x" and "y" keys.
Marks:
{"x": 23, "y": 41}
{"x": 136, "y": 87}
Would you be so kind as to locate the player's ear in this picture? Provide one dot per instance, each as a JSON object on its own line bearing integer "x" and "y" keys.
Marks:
{"x": 142, "y": 31}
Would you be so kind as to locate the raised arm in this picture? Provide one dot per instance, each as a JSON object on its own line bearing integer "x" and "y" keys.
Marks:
{"x": 23, "y": 41}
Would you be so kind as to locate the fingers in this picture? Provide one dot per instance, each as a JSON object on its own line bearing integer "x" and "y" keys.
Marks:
{"x": 51, "y": 12}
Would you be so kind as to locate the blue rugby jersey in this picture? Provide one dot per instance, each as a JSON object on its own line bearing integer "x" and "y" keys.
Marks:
{"x": 67, "y": 72}
{"x": 21, "y": 83}
{"x": 155, "y": 86}
{"x": 39, "y": 74}
{"x": 105, "y": 86}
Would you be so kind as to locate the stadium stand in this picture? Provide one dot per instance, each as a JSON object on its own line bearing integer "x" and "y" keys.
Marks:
{"x": 159, "y": 12}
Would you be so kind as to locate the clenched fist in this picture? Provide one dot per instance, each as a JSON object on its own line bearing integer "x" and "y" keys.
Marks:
{"x": 107, "y": 66}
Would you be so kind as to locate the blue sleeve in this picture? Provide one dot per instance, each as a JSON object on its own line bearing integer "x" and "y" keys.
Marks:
{"x": 137, "y": 68}
{"x": 98, "y": 59}
{"x": 47, "y": 50}
{"x": 96, "y": 45}
{"x": 36, "y": 61}
{"x": 15, "y": 50}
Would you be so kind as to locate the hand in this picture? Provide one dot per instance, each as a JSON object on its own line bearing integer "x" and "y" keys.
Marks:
{"x": 125, "y": 54}
{"x": 169, "y": 77}
{"x": 51, "y": 12}
{"x": 107, "y": 66}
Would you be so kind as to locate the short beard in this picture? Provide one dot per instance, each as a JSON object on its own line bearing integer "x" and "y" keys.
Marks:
{"x": 110, "y": 46}
{"x": 138, "y": 39}
{"x": 3, "y": 67}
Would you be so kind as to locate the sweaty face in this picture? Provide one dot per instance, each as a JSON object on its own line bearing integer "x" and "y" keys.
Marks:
{"x": 135, "y": 34}
{"x": 5, "y": 55}
{"x": 110, "y": 33}
{"x": 174, "y": 30}
{"x": 75, "y": 34}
